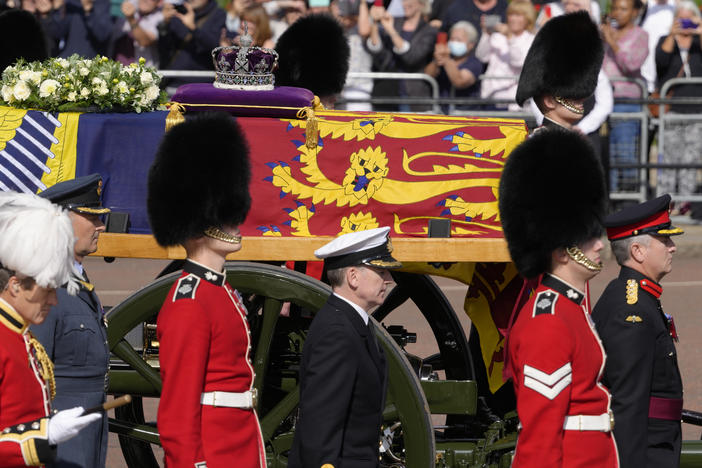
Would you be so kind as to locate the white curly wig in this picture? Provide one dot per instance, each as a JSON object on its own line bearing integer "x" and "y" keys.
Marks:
{"x": 36, "y": 240}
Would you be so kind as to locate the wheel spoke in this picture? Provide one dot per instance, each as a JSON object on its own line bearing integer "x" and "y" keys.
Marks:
{"x": 125, "y": 352}
{"x": 275, "y": 416}
{"x": 140, "y": 432}
{"x": 271, "y": 312}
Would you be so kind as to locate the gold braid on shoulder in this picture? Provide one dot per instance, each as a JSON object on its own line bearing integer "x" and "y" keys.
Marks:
{"x": 46, "y": 367}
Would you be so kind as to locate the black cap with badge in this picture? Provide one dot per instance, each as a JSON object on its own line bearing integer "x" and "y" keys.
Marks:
{"x": 81, "y": 195}
{"x": 651, "y": 217}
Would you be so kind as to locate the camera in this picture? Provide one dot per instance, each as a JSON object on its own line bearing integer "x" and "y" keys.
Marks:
{"x": 686, "y": 23}
{"x": 178, "y": 5}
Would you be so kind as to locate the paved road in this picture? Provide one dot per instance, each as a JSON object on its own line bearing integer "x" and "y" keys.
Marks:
{"x": 682, "y": 297}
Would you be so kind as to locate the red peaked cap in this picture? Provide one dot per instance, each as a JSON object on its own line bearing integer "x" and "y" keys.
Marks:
{"x": 650, "y": 217}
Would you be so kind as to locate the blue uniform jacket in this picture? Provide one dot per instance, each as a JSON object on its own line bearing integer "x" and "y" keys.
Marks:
{"x": 75, "y": 339}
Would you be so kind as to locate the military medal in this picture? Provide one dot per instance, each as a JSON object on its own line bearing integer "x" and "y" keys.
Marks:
{"x": 671, "y": 327}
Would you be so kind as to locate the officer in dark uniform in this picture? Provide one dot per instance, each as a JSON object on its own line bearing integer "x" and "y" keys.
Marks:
{"x": 74, "y": 333}
{"x": 642, "y": 367}
{"x": 560, "y": 70}
{"x": 343, "y": 375}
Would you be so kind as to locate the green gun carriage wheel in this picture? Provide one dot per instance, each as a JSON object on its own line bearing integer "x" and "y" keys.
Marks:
{"x": 266, "y": 288}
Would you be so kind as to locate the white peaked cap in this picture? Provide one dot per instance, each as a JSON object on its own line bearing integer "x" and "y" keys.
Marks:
{"x": 372, "y": 247}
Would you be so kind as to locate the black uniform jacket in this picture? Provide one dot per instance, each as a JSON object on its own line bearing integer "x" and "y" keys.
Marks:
{"x": 342, "y": 391}
{"x": 641, "y": 363}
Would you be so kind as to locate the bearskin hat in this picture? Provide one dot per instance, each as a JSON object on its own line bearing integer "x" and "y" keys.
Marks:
{"x": 313, "y": 53}
{"x": 564, "y": 59}
{"x": 552, "y": 195}
{"x": 21, "y": 36}
{"x": 199, "y": 179}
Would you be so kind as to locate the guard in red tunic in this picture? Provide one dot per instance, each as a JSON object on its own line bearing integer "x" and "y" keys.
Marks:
{"x": 642, "y": 366}
{"x": 552, "y": 201}
{"x": 198, "y": 195}
{"x": 36, "y": 256}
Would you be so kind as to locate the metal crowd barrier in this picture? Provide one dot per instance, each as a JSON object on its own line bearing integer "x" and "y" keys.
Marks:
{"x": 645, "y": 180}
{"x": 667, "y": 116}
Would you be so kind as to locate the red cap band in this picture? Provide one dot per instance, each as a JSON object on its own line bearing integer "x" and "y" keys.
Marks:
{"x": 658, "y": 219}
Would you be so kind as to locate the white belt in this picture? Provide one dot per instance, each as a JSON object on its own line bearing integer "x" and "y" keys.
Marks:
{"x": 581, "y": 422}
{"x": 245, "y": 400}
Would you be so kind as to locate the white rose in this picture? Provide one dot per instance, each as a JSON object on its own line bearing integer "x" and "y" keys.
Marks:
{"x": 6, "y": 93}
{"x": 25, "y": 75}
{"x": 152, "y": 93}
{"x": 102, "y": 90}
{"x": 146, "y": 78}
{"x": 128, "y": 70}
{"x": 21, "y": 90}
{"x": 98, "y": 83}
{"x": 72, "y": 96}
{"x": 48, "y": 87}
{"x": 83, "y": 71}
{"x": 63, "y": 62}
{"x": 35, "y": 77}
{"x": 85, "y": 92}
{"x": 144, "y": 101}
{"x": 122, "y": 87}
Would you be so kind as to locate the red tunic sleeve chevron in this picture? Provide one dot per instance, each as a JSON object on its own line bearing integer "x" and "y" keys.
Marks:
{"x": 557, "y": 360}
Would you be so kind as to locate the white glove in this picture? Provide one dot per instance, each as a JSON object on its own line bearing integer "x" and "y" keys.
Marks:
{"x": 66, "y": 424}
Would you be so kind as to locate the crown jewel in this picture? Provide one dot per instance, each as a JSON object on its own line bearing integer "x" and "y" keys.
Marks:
{"x": 244, "y": 67}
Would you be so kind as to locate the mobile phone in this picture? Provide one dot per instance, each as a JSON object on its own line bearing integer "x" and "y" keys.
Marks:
{"x": 180, "y": 9}
{"x": 491, "y": 21}
{"x": 686, "y": 23}
{"x": 441, "y": 37}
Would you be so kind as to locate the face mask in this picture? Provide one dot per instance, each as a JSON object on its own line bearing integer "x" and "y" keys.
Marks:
{"x": 457, "y": 48}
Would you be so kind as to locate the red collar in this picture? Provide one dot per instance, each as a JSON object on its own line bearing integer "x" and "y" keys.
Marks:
{"x": 651, "y": 287}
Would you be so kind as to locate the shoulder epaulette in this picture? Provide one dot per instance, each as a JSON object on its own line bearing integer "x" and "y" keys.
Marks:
{"x": 33, "y": 438}
{"x": 544, "y": 303}
{"x": 632, "y": 292}
{"x": 186, "y": 287}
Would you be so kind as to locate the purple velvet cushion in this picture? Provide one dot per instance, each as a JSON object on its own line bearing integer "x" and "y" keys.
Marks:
{"x": 236, "y": 100}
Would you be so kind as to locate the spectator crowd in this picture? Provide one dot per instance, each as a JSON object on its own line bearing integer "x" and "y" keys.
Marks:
{"x": 474, "y": 49}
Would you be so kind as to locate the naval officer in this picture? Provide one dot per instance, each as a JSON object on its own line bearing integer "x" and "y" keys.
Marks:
{"x": 343, "y": 374}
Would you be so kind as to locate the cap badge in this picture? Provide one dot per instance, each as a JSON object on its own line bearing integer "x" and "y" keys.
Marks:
{"x": 99, "y": 187}
{"x": 634, "y": 319}
{"x": 632, "y": 292}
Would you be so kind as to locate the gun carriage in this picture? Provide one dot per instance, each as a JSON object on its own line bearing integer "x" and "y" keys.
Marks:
{"x": 316, "y": 174}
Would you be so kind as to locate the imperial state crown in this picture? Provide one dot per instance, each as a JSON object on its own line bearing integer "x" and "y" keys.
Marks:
{"x": 244, "y": 67}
